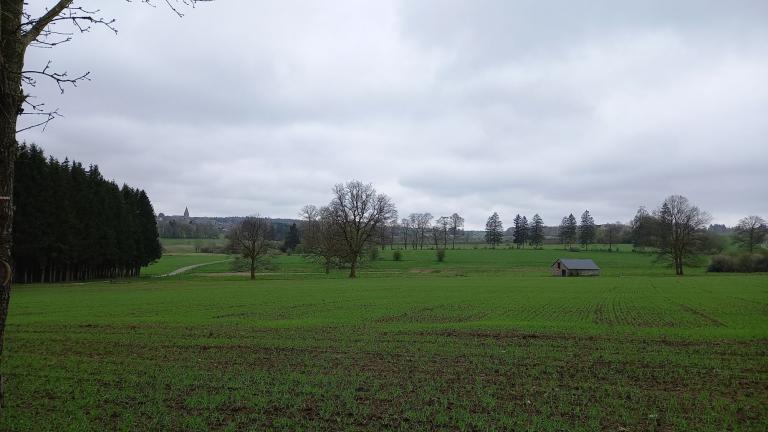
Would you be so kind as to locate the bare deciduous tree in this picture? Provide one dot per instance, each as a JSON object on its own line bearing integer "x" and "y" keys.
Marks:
{"x": 309, "y": 215}
{"x": 443, "y": 223}
{"x": 420, "y": 223}
{"x": 643, "y": 228}
{"x": 20, "y": 30}
{"x": 385, "y": 234}
{"x": 405, "y": 224}
{"x": 321, "y": 239}
{"x": 612, "y": 233}
{"x": 750, "y": 232}
{"x": 357, "y": 211}
{"x": 457, "y": 224}
{"x": 412, "y": 223}
{"x": 437, "y": 235}
{"x": 253, "y": 239}
{"x": 681, "y": 225}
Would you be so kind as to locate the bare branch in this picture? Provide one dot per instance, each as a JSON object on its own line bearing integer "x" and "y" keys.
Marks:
{"x": 41, "y": 23}
{"x": 49, "y": 116}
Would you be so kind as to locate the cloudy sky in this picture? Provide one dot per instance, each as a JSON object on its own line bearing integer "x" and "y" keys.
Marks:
{"x": 477, "y": 106}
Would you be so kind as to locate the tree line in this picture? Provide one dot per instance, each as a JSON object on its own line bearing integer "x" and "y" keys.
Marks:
{"x": 676, "y": 231}
{"x": 525, "y": 233}
{"x": 186, "y": 229}
{"x": 358, "y": 220}
{"x": 72, "y": 224}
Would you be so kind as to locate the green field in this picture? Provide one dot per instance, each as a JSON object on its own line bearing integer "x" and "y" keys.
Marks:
{"x": 175, "y": 246}
{"x": 483, "y": 341}
{"x": 172, "y": 262}
{"x": 467, "y": 262}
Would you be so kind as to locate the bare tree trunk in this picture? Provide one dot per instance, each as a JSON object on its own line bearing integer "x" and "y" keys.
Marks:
{"x": 353, "y": 268}
{"x": 7, "y": 158}
{"x": 253, "y": 268}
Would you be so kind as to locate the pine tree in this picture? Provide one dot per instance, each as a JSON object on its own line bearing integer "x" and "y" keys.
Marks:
{"x": 151, "y": 248}
{"x": 524, "y": 231}
{"x": 517, "y": 231}
{"x": 494, "y": 230}
{"x": 292, "y": 238}
{"x": 562, "y": 231}
{"x": 536, "y": 235}
{"x": 587, "y": 230}
{"x": 571, "y": 230}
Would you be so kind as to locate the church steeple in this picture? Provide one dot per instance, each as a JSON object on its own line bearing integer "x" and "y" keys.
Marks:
{"x": 186, "y": 211}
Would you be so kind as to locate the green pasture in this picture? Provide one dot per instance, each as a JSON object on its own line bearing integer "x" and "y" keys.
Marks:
{"x": 171, "y": 262}
{"x": 174, "y": 246}
{"x": 483, "y": 341}
{"x": 463, "y": 262}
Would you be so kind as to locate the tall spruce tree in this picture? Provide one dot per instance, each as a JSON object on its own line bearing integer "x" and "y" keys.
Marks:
{"x": 562, "y": 231}
{"x": 571, "y": 230}
{"x": 517, "y": 231}
{"x": 587, "y": 230}
{"x": 292, "y": 238}
{"x": 536, "y": 235}
{"x": 524, "y": 231}
{"x": 494, "y": 230}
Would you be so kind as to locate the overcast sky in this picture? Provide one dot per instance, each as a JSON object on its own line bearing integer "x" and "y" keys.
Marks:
{"x": 554, "y": 107}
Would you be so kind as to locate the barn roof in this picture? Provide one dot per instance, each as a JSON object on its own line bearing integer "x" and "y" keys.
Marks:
{"x": 579, "y": 264}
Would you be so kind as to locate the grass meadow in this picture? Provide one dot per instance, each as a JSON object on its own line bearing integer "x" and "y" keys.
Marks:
{"x": 182, "y": 246}
{"x": 486, "y": 340}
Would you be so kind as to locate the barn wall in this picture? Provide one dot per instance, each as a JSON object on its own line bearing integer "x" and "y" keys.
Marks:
{"x": 584, "y": 273}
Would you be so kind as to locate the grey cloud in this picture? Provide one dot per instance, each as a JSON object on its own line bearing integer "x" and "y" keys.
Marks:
{"x": 509, "y": 106}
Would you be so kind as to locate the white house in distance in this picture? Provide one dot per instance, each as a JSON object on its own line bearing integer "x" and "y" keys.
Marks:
{"x": 575, "y": 267}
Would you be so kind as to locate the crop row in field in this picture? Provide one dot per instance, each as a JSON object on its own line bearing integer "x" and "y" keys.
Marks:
{"x": 422, "y": 353}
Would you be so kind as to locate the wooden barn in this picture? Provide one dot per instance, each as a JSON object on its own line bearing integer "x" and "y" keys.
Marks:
{"x": 575, "y": 267}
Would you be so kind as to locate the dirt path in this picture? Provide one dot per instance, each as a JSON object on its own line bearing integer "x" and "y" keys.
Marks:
{"x": 187, "y": 268}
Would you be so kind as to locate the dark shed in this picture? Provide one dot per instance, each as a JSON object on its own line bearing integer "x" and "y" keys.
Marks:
{"x": 575, "y": 267}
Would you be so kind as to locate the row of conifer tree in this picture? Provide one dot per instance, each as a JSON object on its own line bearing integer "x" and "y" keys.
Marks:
{"x": 72, "y": 224}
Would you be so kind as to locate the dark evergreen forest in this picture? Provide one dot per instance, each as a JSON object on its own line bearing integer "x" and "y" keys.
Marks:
{"x": 72, "y": 224}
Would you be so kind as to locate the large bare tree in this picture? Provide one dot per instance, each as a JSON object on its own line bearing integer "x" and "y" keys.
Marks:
{"x": 420, "y": 223}
{"x": 750, "y": 232}
{"x": 322, "y": 239}
{"x": 405, "y": 225}
{"x": 309, "y": 215}
{"x": 357, "y": 211}
{"x": 681, "y": 226}
{"x": 19, "y": 31}
{"x": 611, "y": 233}
{"x": 457, "y": 224}
{"x": 253, "y": 239}
{"x": 443, "y": 223}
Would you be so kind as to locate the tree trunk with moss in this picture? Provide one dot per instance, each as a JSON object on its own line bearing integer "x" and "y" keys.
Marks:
{"x": 12, "y": 47}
